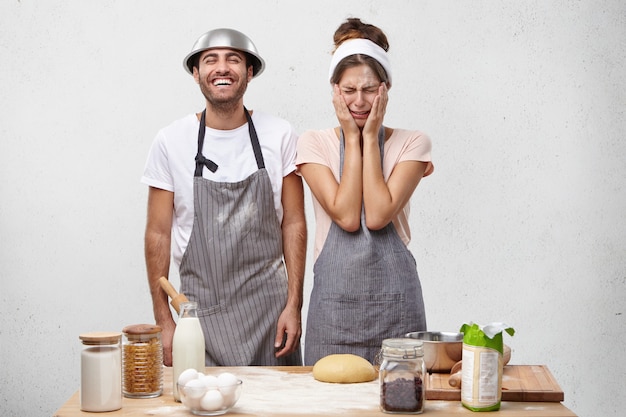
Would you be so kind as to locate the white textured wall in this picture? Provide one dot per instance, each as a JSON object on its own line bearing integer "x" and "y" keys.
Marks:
{"x": 522, "y": 222}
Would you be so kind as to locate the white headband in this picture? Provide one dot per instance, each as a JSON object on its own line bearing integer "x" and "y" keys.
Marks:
{"x": 360, "y": 46}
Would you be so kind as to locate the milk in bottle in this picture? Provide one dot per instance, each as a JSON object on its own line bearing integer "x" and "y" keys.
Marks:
{"x": 188, "y": 343}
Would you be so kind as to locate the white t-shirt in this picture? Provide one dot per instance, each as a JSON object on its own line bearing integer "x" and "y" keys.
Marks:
{"x": 171, "y": 163}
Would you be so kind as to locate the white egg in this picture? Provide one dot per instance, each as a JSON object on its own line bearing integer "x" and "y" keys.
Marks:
{"x": 227, "y": 384}
{"x": 195, "y": 388}
{"x": 191, "y": 403}
{"x": 210, "y": 381}
{"x": 212, "y": 400}
{"x": 230, "y": 397}
{"x": 186, "y": 376}
{"x": 226, "y": 379}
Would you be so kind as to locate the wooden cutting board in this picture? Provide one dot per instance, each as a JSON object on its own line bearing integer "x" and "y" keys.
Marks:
{"x": 519, "y": 383}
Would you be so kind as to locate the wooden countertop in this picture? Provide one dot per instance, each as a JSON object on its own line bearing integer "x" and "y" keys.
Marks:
{"x": 292, "y": 391}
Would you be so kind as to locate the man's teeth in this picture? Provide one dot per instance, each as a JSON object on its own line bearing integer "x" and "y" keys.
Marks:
{"x": 222, "y": 82}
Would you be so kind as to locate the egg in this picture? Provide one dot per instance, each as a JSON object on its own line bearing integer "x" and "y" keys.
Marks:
{"x": 192, "y": 403}
{"x": 227, "y": 384}
{"x": 230, "y": 398}
{"x": 186, "y": 376}
{"x": 226, "y": 379}
{"x": 195, "y": 388}
{"x": 212, "y": 400}
{"x": 210, "y": 381}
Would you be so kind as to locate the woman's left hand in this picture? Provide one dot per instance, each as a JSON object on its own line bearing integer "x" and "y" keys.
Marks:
{"x": 377, "y": 113}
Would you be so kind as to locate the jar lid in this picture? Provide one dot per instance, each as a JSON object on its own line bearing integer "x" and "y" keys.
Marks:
{"x": 405, "y": 348}
{"x": 100, "y": 338}
{"x": 137, "y": 329}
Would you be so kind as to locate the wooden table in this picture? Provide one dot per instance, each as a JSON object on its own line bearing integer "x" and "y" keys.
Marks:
{"x": 292, "y": 391}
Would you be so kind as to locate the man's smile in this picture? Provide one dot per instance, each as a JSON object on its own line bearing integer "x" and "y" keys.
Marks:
{"x": 222, "y": 81}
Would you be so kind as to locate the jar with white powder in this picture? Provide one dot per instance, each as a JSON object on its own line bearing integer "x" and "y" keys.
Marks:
{"x": 101, "y": 372}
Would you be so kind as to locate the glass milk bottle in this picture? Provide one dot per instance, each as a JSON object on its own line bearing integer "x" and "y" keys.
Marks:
{"x": 188, "y": 343}
{"x": 101, "y": 372}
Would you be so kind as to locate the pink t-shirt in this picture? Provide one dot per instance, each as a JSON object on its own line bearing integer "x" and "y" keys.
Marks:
{"x": 322, "y": 147}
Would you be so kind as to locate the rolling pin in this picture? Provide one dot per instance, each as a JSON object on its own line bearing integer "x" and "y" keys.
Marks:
{"x": 176, "y": 298}
{"x": 455, "y": 372}
{"x": 455, "y": 375}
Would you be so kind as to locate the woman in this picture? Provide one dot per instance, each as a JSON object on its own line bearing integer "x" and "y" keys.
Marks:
{"x": 362, "y": 175}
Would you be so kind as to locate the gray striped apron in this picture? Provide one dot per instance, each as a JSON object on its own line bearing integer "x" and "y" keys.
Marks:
{"x": 366, "y": 289}
{"x": 233, "y": 265}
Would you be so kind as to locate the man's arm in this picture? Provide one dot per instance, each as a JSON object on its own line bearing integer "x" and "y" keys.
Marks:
{"x": 294, "y": 249}
{"x": 157, "y": 252}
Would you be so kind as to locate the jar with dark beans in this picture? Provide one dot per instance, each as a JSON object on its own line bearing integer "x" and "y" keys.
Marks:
{"x": 401, "y": 376}
{"x": 402, "y": 395}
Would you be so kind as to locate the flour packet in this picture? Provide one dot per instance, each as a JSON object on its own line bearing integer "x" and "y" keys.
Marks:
{"x": 483, "y": 363}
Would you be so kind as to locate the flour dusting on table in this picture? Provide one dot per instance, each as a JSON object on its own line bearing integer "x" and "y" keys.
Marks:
{"x": 267, "y": 391}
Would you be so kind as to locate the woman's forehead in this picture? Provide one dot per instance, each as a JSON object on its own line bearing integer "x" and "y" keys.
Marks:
{"x": 359, "y": 74}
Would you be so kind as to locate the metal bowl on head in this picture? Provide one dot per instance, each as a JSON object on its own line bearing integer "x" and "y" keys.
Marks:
{"x": 441, "y": 349}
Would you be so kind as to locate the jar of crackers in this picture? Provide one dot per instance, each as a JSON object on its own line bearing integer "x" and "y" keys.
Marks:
{"x": 142, "y": 361}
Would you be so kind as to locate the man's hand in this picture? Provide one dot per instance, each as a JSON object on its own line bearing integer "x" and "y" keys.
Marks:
{"x": 167, "y": 335}
{"x": 288, "y": 332}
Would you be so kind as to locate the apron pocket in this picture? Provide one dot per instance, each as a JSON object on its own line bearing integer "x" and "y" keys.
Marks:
{"x": 356, "y": 319}
{"x": 209, "y": 311}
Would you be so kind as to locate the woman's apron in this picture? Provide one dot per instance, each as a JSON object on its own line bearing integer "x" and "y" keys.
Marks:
{"x": 233, "y": 265}
{"x": 366, "y": 289}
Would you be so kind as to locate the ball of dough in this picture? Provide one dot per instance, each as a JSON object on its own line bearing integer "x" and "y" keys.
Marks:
{"x": 343, "y": 368}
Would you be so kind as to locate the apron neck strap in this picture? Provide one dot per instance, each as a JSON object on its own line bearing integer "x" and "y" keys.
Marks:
{"x": 201, "y": 161}
{"x": 260, "y": 163}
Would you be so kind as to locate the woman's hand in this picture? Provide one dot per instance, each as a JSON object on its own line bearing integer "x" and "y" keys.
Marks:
{"x": 377, "y": 113}
{"x": 346, "y": 121}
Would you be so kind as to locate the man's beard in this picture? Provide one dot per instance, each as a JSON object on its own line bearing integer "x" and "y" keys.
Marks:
{"x": 224, "y": 105}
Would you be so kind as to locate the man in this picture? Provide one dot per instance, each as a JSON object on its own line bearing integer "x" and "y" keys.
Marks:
{"x": 222, "y": 185}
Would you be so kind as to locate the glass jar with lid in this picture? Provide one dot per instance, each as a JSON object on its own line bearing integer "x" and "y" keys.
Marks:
{"x": 100, "y": 372}
{"x": 402, "y": 376}
{"x": 142, "y": 361}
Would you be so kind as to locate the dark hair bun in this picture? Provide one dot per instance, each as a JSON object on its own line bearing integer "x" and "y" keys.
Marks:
{"x": 354, "y": 28}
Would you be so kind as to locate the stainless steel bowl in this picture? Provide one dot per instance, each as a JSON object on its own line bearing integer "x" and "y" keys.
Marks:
{"x": 225, "y": 38}
{"x": 441, "y": 349}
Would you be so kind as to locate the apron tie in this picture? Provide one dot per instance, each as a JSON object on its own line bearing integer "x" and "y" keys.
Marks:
{"x": 201, "y": 161}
